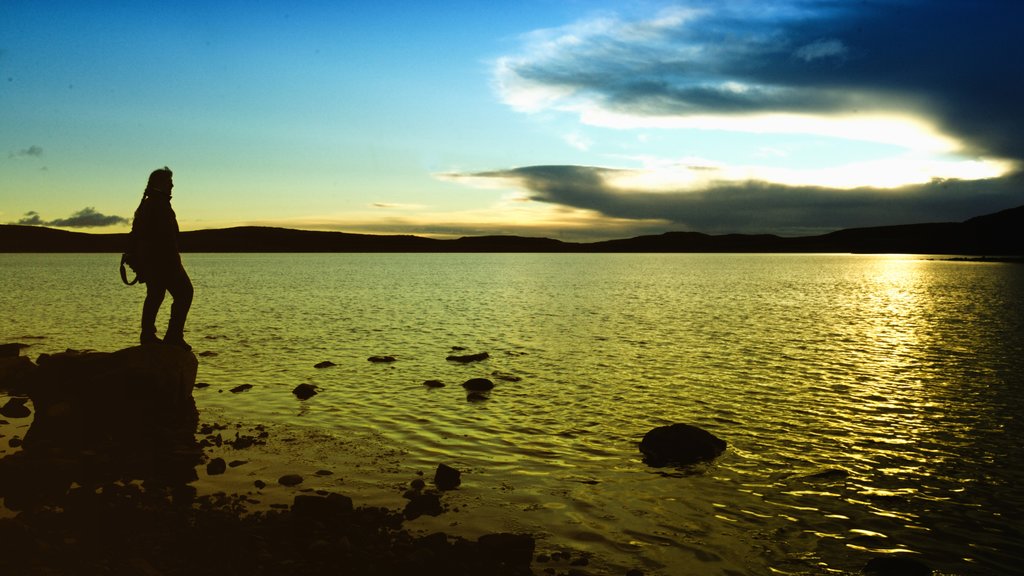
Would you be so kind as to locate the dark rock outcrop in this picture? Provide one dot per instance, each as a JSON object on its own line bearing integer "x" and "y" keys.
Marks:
{"x": 105, "y": 415}
{"x": 447, "y": 478}
{"x": 478, "y": 385}
{"x": 305, "y": 391}
{"x": 15, "y": 408}
{"x": 140, "y": 394}
{"x": 680, "y": 444}
{"x": 466, "y": 358}
{"x": 324, "y": 364}
{"x": 15, "y": 373}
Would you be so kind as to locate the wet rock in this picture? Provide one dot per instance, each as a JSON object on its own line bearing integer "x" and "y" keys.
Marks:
{"x": 207, "y": 354}
{"x": 321, "y": 507}
{"x": 324, "y": 473}
{"x": 680, "y": 444}
{"x": 896, "y": 566}
{"x": 467, "y": 358}
{"x": 15, "y": 408}
{"x": 418, "y": 485}
{"x": 829, "y": 475}
{"x": 512, "y": 549}
{"x": 237, "y": 463}
{"x": 241, "y": 388}
{"x": 259, "y": 484}
{"x": 447, "y": 478}
{"x": 11, "y": 350}
{"x": 216, "y": 466}
{"x": 506, "y": 377}
{"x": 433, "y": 384}
{"x": 382, "y": 359}
{"x": 15, "y": 372}
{"x": 290, "y": 480}
{"x": 423, "y": 505}
{"x": 478, "y": 385}
{"x": 305, "y": 391}
{"x": 140, "y": 396}
{"x": 324, "y": 364}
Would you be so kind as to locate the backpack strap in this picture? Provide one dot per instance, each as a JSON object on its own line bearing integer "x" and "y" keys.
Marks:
{"x": 124, "y": 273}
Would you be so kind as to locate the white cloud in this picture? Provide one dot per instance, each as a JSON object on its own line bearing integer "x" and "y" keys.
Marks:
{"x": 821, "y": 49}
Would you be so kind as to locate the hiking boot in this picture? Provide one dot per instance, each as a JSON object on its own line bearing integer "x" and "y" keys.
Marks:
{"x": 179, "y": 342}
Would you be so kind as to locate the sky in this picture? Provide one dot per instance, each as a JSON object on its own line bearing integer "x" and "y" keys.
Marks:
{"x": 567, "y": 119}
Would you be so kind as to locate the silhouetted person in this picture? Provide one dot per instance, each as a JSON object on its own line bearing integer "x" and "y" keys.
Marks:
{"x": 156, "y": 235}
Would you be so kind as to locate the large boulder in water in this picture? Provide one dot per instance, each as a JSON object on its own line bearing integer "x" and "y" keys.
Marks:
{"x": 680, "y": 444}
{"x": 136, "y": 395}
{"x": 103, "y": 416}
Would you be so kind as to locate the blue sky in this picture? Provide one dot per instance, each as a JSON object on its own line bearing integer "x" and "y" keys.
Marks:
{"x": 574, "y": 120}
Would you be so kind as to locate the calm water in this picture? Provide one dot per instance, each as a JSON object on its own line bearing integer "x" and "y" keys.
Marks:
{"x": 899, "y": 375}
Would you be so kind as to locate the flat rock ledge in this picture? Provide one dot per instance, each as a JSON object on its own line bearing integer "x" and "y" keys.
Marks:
{"x": 105, "y": 415}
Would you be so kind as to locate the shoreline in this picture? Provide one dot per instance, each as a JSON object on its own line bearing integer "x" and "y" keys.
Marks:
{"x": 249, "y": 508}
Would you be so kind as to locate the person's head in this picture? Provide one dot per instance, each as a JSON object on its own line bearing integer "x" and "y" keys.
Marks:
{"x": 160, "y": 182}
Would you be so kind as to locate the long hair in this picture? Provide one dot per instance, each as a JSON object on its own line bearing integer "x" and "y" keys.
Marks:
{"x": 157, "y": 184}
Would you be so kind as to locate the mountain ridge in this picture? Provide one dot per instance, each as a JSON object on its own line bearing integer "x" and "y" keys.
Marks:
{"x": 994, "y": 234}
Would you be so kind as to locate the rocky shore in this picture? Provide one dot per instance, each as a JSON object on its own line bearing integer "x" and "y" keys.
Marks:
{"x": 101, "y": 485}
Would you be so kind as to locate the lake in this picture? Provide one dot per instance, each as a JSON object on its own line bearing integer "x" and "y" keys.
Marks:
{"x": 872, "y": 403}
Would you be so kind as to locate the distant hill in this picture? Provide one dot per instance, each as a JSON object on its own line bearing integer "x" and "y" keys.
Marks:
{"x": 996, "y": 234}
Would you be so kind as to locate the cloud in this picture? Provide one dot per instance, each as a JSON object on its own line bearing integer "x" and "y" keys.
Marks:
{"x": 85, "y": 218}
{"x": 31, "y": 218}
{"x": 30, "y": 152}
{"x": 758, "y": 206}
{"x": 951, "y": 66}
{"x": 821, "y": 49}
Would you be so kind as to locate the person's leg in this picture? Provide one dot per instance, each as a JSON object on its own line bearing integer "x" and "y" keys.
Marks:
{"x": 154, "y": 298}
{"x": 180, "y": 287}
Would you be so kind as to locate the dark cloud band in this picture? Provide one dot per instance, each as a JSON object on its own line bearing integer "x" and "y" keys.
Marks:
{"x": 756, "y": 207}
{"x": 85, "y": 218}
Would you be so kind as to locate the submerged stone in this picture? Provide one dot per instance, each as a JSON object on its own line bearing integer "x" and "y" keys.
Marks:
{"x": 466, "y": 358}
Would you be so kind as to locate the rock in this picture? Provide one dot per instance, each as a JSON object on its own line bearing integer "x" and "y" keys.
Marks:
{"x": 896, "y": 566}
{"x": 320, "y": 507}
{"x": 324, "y": 473}
{"x": 680, "y": 444}
{"x": 447, "y": 478}
{"x": 506, "y": 377}
{"x": 259, "y": 484}
{"x": 478, "y": 385}
{"x": 433, "y": 384}
{"x": 423, "y": 505}
{"x": 290, "y": 480}
{"x": 381, "y": 359}
{"x": 418, "y": 485}
{"x": 468, "y": 357}
{"x": 241, "y": 388}
{"x": 133, "y": 396}
{"x": 512, "y": 549}
{"x": 11, "y": 350}
{"x": 305, "y": 391}
{"x": 15, "y": 373}
{"x": 15, "y": 408}
{"x": 216, "y": 466}
{"x": 324, "y": 364}
{"x": 237, "y": 463}
{"x": 208, "y": 354}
